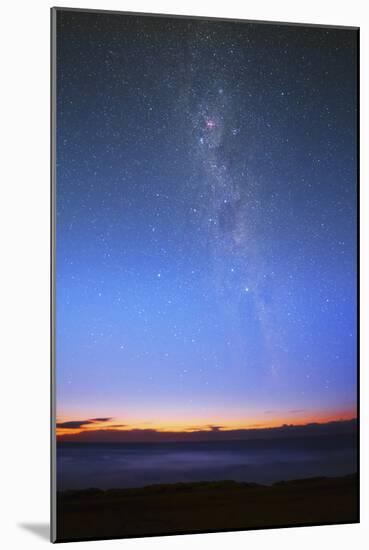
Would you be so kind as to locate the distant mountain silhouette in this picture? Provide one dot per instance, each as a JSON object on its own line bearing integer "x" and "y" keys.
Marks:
{"x": 111, "y": 435}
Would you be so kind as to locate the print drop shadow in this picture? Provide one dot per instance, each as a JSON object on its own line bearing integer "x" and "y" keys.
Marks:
{"x": 42, "y": 530}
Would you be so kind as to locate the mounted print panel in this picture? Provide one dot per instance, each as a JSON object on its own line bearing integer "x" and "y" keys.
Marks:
{"x": 204, "y": 369}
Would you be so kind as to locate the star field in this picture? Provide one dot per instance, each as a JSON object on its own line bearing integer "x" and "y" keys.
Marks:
{"x": 206, "y": 219}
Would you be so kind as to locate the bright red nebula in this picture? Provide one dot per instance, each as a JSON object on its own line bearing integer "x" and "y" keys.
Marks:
{"x": 210, "y": 124}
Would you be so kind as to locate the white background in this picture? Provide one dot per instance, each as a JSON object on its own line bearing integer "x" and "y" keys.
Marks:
{"x": 24, "y": 254}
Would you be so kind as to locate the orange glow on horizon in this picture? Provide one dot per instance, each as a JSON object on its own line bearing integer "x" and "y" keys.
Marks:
{"x": 252, "y": 422}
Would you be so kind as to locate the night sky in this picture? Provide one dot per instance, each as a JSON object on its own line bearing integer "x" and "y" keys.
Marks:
{"x": 206, "y": 222}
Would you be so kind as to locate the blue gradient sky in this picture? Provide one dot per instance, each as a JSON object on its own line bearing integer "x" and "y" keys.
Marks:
{"x": 206, "y": 221}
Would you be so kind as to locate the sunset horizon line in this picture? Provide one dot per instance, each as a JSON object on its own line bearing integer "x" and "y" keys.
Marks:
{"x": 112, "y": 425}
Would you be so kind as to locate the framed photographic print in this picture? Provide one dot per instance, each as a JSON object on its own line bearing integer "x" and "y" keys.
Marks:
{"x": 204, "y": 275}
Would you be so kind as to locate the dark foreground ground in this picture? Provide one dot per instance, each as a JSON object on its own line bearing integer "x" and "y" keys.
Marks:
{"x": 200, "y": 507}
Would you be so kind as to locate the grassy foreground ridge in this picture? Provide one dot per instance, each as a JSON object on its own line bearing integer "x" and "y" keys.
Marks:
{"x": 205, "y": 506}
